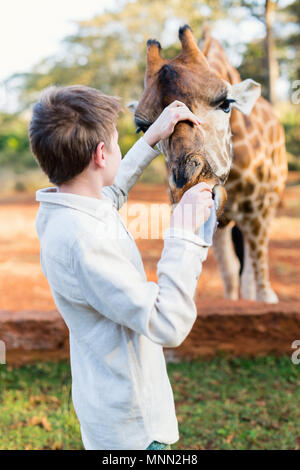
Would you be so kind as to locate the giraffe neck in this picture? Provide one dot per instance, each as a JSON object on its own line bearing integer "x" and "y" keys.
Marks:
{"x": 219, "y": 62}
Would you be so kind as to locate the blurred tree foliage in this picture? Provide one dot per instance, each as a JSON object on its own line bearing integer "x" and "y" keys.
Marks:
{"x": 14, "y": 146}
{"x": 287, "y": 37}
{"x": 254, "y": 64}
{"x": 291, "y": 42}
{"x": 108, "y": 52}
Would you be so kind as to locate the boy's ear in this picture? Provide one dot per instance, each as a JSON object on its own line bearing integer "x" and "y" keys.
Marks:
{"x": 132, "y": 106}
{"x": 245, "y": 95}
{"x": 98, "y": 155}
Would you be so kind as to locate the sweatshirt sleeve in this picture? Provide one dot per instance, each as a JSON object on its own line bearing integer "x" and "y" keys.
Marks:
{"x": 131, "y": 167}
{"x": 164, "y": 311}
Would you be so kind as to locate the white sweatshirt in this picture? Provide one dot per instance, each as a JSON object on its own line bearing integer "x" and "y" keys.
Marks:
{"x": 118, "y": 321}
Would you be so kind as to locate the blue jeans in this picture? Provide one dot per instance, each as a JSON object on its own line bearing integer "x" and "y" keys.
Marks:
{"x": 158, "y": 446}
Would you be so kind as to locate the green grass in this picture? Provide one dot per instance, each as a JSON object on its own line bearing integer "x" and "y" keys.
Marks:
{"x": 220, "y": 404}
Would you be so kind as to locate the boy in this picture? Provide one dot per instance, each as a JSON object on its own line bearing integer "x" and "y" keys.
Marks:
{"x": 118, "y": 322}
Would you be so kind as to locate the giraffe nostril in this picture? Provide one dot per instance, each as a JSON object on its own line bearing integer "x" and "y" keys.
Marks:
{"x": 179, "y": 179}
{"x": 184, "y": 172}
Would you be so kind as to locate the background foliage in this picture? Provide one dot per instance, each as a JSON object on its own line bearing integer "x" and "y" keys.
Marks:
{"x": 108, "y": 53}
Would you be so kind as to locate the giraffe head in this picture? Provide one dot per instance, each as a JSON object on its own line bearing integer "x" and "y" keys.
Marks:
{"x": 193, "y": 154}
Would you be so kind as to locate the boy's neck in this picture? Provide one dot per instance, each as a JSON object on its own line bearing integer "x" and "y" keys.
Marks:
{"x": 82, "y": 188}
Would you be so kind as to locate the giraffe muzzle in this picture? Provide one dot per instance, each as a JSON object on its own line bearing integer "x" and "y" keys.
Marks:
{"x": 220, "y": 197}
{"x": 192, "y": 170}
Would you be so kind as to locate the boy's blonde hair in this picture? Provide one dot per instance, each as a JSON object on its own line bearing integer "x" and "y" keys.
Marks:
{"x": 66, "y": 126}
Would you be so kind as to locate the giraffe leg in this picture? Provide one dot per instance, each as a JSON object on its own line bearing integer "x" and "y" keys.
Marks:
{"x": 258, "y": 247}
{"x": 248, "y": 284}
{"x": 227, "y": 260}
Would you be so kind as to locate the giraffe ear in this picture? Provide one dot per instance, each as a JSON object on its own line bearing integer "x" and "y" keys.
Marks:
{"x": 245, "y": 95}
{"x": 132, "y": 106}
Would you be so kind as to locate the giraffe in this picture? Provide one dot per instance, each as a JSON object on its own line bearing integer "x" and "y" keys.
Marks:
{"x": 241, "y": 155}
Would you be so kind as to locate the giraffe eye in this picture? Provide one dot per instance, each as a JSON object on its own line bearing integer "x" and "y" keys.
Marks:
{"x": 141, "y": 128}
{"x": 141, "y": 125}
{"x": 225, "y": 106}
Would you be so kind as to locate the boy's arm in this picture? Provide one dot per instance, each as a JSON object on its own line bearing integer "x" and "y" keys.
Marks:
{"x": 141, "y": 154}
{"x": 164, "y": 311}
{"x": 131, "y": 167}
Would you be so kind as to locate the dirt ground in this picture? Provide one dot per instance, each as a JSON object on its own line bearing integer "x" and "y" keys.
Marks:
{"x": 23, "y": 286}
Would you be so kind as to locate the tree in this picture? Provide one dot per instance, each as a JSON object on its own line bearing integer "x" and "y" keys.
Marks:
{"x": 108, "y": 52}
{"x": 272, "y": 66}
{"x": 264, "y": 12}
{"x": 291, "y": 18}
{"x": 254, "y": 65}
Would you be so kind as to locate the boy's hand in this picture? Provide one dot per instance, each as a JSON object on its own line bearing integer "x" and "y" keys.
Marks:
{"x": 164, "y": 125}
{"x": 193, "y": 210}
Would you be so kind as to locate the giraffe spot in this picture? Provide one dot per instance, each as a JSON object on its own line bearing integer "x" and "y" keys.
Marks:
{"x": 260, "y": 205}
{"x": 246, "y": 206}
{"x": 237, "y": 132}
{"x": 274, "y": 155}
{"x": 265, "y": 115}
{"x": 265, "y": 212}
{"x": 260, "y": 254}
{"x": 247, "y": 122}
{"x": 278, "y": 189}
{"x": 248, "y": 187}
{"x": 238, "y": 187}
{"x": 233, "y": 175}
{"x": 255, "y": 142}
{"x": 242, "y": 156}
{"x": 255, "y": 225}
{"x": 260, "y": 172}
{"x": 260, "y": 128}
{"x": 262, "y": 239}
{"x": 281, "y": 155}
{"x": 252, "y": 244}
{"x": 271, "y": 134}
{"x": 261, "y": 193}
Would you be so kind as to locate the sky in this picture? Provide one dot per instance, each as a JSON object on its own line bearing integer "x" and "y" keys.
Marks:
{"x": 32, "y": 29}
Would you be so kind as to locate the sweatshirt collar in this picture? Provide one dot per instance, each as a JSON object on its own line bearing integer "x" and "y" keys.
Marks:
{"x": 90, "y": 205}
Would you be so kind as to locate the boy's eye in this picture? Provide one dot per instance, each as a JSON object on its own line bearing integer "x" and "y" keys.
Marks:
{"x": 225, "y": 106}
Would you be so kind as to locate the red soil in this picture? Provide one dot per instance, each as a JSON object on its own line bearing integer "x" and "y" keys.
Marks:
{"x": 23, "y": 286}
